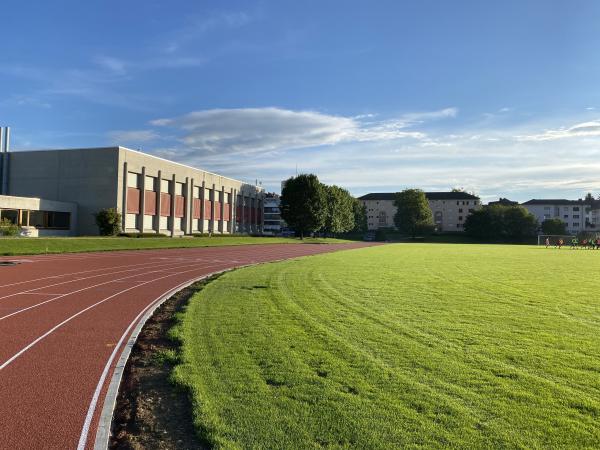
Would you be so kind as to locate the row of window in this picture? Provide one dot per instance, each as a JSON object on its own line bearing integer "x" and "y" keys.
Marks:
{"x": 54, "y": 220}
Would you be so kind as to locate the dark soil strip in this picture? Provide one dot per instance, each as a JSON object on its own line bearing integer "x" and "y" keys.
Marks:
{"x": 151, "y": 412}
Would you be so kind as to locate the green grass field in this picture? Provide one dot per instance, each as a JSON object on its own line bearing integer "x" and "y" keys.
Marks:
{"x": 403, "y": 345}
{"x": 34, "y": 246}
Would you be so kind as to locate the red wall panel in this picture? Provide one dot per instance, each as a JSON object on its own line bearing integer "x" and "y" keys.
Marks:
{"x": 133, "y": 201}
{"x": 179, "y": 206}
{"x": 217, "y": 210}
{"x": 165, "y": 204}
{"x": 196, "y": 209}
{"x": 226, "y": 211}
{"x": 207, "y": 209}
{"x": 150, "y": 206}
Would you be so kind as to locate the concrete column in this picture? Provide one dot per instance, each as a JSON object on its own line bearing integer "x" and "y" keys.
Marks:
{"x": 172, "y": 217}
{"x": 231, "y": 223}
{"x": 222, "y": 220}
{"x": 185, "y": 222}
{"x": 142, "y": 201}
{"x": 242, "y": 210}
{"x": 158, "y": 202}
{"x": 202, "y": 209}
{"x": 191, "y": 216}
{"x": 124, "y": 212}
{"x": 252, "y": 214}
{"x": 211, "y": 224}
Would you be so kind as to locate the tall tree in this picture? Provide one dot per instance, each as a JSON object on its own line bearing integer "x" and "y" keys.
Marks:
{"x": 340, "y": 214}
{"x": 554, "y": 226}
{"x": 500, "y": 222}
{"x": 303, "y": 204}
{"x": 360, "y": 216}
{"x": 413, "y": 214}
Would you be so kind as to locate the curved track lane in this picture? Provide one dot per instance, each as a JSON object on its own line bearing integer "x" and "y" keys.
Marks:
{"x": 65, "y": 320}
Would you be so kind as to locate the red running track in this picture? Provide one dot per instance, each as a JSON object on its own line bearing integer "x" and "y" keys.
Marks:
{"x": 65, "y": 320}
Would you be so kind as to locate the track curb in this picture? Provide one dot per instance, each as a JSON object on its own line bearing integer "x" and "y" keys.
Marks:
{"x": 106, "y": 416}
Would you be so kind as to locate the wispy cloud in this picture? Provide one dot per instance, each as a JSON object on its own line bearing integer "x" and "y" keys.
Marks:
{"x": 133, "y": 137}
{"x": 586, "y": 129}
{"x": 258, "y": 130}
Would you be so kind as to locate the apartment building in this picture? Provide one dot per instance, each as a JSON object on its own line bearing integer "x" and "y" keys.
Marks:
{"x": 449, "y": 209}
{"x": 578, "y": 215}
{"x": 272, "y": 222}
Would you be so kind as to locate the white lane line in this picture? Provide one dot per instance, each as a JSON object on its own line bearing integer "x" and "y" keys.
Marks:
{"x": 136, "y": 267}
{"x": 19, "y": 311}
{"x": 71, "y": 273}
{"x": 94, "y": 402}
{"x": 56, "y": 327}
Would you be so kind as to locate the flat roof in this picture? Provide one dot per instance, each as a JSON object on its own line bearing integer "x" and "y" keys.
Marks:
{"x": 120, "y": 147}
{"x": 429, "y": 195}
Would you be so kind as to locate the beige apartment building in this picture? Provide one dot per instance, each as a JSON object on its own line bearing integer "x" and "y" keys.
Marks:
{"x": 449, "y": 209}
{"x": 154, "y": 195}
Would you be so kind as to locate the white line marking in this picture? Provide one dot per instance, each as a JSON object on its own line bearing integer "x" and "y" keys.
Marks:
{"x": 83, "y": 289}
{"x": 146, "y": 266}
{"x": 92, "y": 407}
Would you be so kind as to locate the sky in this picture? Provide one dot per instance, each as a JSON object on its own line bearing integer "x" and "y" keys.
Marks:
{"x": 498, "y": 98}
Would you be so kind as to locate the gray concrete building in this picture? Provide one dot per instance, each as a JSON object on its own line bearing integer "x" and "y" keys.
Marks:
{"x": 154, "y": 195}
{"x": 449, "y": 209}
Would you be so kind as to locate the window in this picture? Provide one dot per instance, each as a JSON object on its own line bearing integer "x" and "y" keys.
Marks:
{"x": 575, "y": 216}
{"x": 460, "y": 210}
{"x": 575, "y": 224}
{"x": 546, "y": 208}
{"x": 382, "y": 218}
{"x": 460, "y": 218}
{"x": 575, "y": 208}
{"x": 467, "y": 202}
{"x": 438, "y": 217}
{"x": 10, "y": 214}
{"x": 50, "y": 219}
{"x": 471, "y": 210}
{"x": 566, "y": 216}
{"x": 458, "y": 203}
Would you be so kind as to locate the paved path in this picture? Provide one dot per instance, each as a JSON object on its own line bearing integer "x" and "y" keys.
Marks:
{"x": 65, "y": 320}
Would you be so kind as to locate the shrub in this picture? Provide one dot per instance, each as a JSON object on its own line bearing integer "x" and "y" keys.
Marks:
{"x": 143, "y": 235}
{"x": 7, "y": 228}
{"x": 108, "y": 221}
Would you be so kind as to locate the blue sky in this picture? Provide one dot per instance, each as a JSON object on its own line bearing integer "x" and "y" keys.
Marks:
{"x": 501, "y": 98}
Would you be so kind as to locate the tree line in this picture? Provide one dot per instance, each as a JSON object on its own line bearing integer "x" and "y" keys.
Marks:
{"x": 493, "y": 223}
{"x": 309, "y": 206}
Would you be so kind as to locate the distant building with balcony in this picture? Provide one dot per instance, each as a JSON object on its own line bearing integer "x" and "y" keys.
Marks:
{"x": 449, "y": 209}
{"x": 578, "y": 215}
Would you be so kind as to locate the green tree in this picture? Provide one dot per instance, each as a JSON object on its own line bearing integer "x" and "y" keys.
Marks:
{"x": 413, "y": 215}
{"x": 519, "y": 223}
{"x": 500, "y": 222}
{"x": 360, "y": 216}
{"x": 304, "y": 204}
{"x": 7, "y": 228}
{"x": 554, "y": 226}
{"x": 108, "y": 221}
{"x": 339, "y": 212}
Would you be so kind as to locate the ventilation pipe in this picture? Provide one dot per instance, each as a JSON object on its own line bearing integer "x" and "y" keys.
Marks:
{"x": 4, "y": 149}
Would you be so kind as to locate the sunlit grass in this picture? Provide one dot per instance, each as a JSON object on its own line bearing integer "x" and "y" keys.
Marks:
{"x": 405, "y": 345}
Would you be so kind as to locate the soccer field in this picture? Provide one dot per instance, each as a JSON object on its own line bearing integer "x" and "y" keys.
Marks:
{"x": 404, "y": 345}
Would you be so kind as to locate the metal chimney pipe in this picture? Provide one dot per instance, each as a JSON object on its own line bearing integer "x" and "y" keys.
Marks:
{"x": 1, "y": 139}
{"x": 5, "y": 161}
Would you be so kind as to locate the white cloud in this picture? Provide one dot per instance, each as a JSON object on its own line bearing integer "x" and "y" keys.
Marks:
{"x": 250, "y": 130}
{"x": 133, "y": 136}
{"x": 586, "y": 129}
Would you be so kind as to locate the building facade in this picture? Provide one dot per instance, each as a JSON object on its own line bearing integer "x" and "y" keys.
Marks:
{"x": 154, "y": 195}
{"x": 449, "y": 209}
{"x": 578, "y": 215}
{"x": 39, "y": 217}
{"x": 272, "y": 222}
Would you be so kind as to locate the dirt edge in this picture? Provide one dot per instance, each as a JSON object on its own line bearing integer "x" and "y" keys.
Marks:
{"x": 151, "y": 412}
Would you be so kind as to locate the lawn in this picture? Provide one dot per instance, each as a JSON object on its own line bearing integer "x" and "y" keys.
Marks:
{"x": 403, "y": 345}
{"x": 34, "y": 246}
